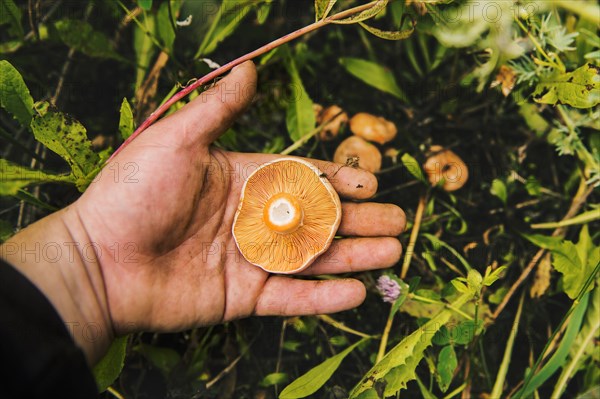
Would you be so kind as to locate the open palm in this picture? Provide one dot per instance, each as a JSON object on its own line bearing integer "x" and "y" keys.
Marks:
{"x": 160, "y": 216}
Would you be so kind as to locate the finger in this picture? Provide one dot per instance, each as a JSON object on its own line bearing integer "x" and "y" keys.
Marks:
{"x": 371, "y": 220}
{"x": 285, "y": 296}
{"x": 209, "y": 115}
{"x": 348, "y": 182}
{"x": 357, "y": 255}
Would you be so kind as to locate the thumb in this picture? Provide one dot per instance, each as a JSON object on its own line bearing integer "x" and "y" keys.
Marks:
{"x": 204, "y": 119}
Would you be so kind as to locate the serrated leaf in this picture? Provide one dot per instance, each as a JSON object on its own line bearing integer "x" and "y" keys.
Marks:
{"x": 300, "y": 117}
{"x": 579, "y": 89}
{"x": 316, "y": 377}
{"x": 14, "y": 94}
{"x": 11, "y": 15}
{"x": 398, "y": 366}
{"x": 446, "y": 365}
{"x": 374, "y": 75}
{"x": 413, "y": 167}
{"x": 364, "y": 15}
{"x": 67, "y": 137}
{"x": 110, "y": 366}
{"x": 15, "y": 177}
{"x": 126, "y": 126}
{"x": 389, "y": 35}
{"x": 322, "y": 8}
{"x": 81, "y": 36}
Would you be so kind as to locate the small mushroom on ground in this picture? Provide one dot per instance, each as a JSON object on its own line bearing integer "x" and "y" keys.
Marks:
{"x": 392, "y": 153}
{"x": 337, "y": 119}
{"x": 443, "y": 164}
{"x": 369, "y": 157}
{"x": 287, "y": 216}
{"x": 373, "y": 128}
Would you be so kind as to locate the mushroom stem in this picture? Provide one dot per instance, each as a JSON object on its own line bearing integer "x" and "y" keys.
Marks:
{"x": 229, "y": 66}
{"x": 283, "y": 213}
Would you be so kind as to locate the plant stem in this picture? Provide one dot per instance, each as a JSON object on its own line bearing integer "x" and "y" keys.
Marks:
{"x": 341, "y": 326}
{"x": 413, "y": 235}
{"x": 501, "y": 377}
{"x": 386, "y": 334}
{"x": 444, "y": 304}
{"x": 229, "y": 66}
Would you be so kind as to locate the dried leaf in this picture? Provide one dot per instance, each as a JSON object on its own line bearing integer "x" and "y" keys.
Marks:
{"x": 541, "y": 280}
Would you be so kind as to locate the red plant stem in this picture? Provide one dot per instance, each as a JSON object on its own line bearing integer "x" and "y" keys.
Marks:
{"x": 229, "y": 66}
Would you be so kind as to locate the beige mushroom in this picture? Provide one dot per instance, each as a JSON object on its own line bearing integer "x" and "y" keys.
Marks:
{"x": 446, "y": 168}
{"x": 373, "y": 128}
{"x": 369, "y": 157}
{"x": 287, "y": 216}
{"x": 337, "y": 119}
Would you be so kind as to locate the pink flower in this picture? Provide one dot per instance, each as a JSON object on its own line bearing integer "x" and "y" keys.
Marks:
{"x": 388, "y": 288}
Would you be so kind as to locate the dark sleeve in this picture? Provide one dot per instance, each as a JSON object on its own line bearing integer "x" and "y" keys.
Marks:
{"x": 38, "y": 357}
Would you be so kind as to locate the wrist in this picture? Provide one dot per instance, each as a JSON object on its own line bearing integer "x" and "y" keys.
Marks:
{"x": 57, "y": 255}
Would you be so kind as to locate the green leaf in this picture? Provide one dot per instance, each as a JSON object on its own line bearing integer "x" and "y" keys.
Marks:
{"x": 446, "y": 365}
{"x": 14, "y": 94}
{"x": 413, "y": 167}
{"x": 300, "y": 117}
{"x": 323, "y": 8}
{"x": 582, "y": 218}
{"x": 375, "y": 75}
{"x": 398, "y": 366}
{"x": 316, "y": 377}
{"x": 126, "y": 126}
{"x": 491, "y": 277}
{"x": 144, "y": 47}
{"x": 164, "y": 25}
{"x": 67, "y": 137}
{"x": 14, "y": 177}
{"x": 274, "y": 379}
{"x": 389, "y": 35}
{"x": 499, "y": 190}
{"x": 579, "y": 89}
{"x": 230, "y": 15}
{"x": 590, "y": 326}
{"x": 11, "y": 15}
{"x": 263, "y": 11}
{"x": 145, "y": 5}
{"x": 425, "y": 393}
{"x": 437, "y": 243}
{"x": 82, "y": 37}
{"x": 109, "y": 368}
{"x": 363, "y": 16}
{"x": 164, "y": 359}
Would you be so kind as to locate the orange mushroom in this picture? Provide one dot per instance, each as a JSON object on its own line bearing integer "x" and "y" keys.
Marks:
{"x": 446, "y": 168}
{"x": 373, "y": 128}
{"x": 369, "y": 157}
{"x": 287, "y": 216}
{"x": 337, "y": 119}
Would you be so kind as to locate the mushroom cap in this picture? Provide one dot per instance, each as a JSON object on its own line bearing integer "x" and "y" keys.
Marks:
{"x": 445, "y": 164}
{"x": 373, "y": 128}
{"x": 333, "y": 127}
{"x": 287, "y": 216}
{"x": 369, "y": 157}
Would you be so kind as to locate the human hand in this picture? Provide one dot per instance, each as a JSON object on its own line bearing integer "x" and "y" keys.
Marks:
{"x": 160, "y": 217}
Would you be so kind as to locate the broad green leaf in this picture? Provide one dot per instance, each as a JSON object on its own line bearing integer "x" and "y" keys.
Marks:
{"x": 67, "y": 137}
{"x": 263, "y": 11}
{"x": 145, "y": 5}
{"x": 126, "y": 126}
{"x": 6, "y": 230}
{"x": 323, "y": 8}
{"x": 14, "y": 94}
{"x": 230, "y": 15}
{"x": 82, "y": 37}
{"x": 300, "y": 117}
{"x": 375, "y": 75}
{"x": 363, "y": 16}
{"x": 499, "y": 190}
{"x": 389, "y": 35}
{"x": 14, "y": 177}
{"x": 164, "y": 25}
{"x": 398, "y": 366}
{"x": 446, "y": 365}
{"x": 110, "y": 366}
{"x": 164, "y": 359}
{"x": 579, "y": 89}
{"x": 11, "y": 15}
{"x": 274, "y": 379}
{"x": 316, "y": 377}
{"x": 413, "y": 167}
